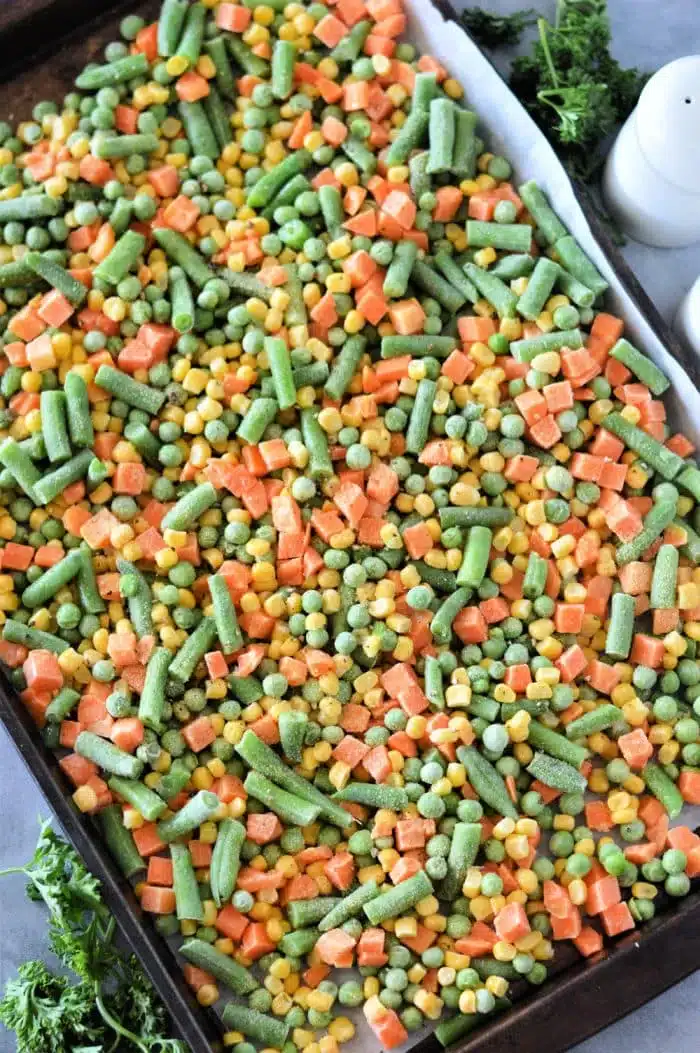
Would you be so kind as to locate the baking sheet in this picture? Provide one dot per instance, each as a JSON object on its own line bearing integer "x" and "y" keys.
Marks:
{"x": 509, "y": 130}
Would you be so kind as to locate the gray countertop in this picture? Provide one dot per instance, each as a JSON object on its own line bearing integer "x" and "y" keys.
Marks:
{"x": 646, "y": 34}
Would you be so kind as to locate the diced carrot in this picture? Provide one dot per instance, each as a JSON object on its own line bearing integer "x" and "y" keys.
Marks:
{"x": 191, "y": 87}
{"x": 127, "y": 733}
{"x": 231, "y": 923}
{"x": 334, "y": 945}
{"x": 263, "y": 827}
{"x": 617, "y": 919}
{"x": 42, "y": 671}
{"x": 233, "y": 17}
{"x": 147, "y": 840}
{"x": 199, "y": 734}
{"x": 511, "y": 923}
{"x": 156, "y": 900}
{"x": 340, "y": 870}
{"x": 689, "y": 786}
{"x": 160, "y": 871}
{"x": 370, "y": 948}
{"x": 330, "y": 31}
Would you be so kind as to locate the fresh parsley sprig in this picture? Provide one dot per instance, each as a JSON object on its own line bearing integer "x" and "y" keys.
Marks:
{"x": 109, "y": 1005}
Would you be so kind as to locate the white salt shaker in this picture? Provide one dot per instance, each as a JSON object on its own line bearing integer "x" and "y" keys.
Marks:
{"x": 687, "y": 320}
{"x": 651, "y": 181}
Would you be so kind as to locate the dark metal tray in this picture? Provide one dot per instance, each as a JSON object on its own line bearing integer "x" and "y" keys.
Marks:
{"x": 55, "y": 39}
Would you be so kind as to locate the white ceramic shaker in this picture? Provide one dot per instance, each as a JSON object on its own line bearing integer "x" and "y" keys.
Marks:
{"x": 687, "y": 320}
{"x": 651, "y": 182}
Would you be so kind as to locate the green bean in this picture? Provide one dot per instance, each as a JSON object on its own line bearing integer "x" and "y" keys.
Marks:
{"x": 174, "y": 781}
{"x": 433, "y": 284}
{"x": 281, "y": 368}
{"x": 441, "y": 625}
{"x": 599, "y": 719}
{"x": 360, "y": 155}
{"x": 93, "y": 78}
{"x": 227, "y": 627}
{"x": 266, "y": 1029}
{"x": 292, "y": 726}
{"x": 349, "y": 907}
{"x": 140, "y": 602}
{"x": 486, "y": 967}
{"x": 34, "y": 639}
{"x": 190, "y": 44}
{"x": 510, "y": 267}
{"x": 344, "y": 367}
{"x": 108, "y": 756}
{"x": 246, "y": 688}
{"x": 664, "y": 789}
{"x": 466, "y": 838}
{"x": 425, "y": 89}
{"x": 439, "y": 579}
{"x": 421, "y": 416}
{"x": 217, "y": 117}
{"x": 316, "y": 442}
{"x": 535, "y": 707}
{"x": 454, "y": 275}
{"x": 529, "y": 348}
{"x": 487, "y": 782}
{"x": 469, "y": 516}
{"x": 641, "y": 366}
{"x": 50, "y": 486}
{"x": 299, "y": 942}
{"x": 331, "y": 209}
{"x": 556, "y": 745}
{"x": 295, "y": 313}
{"x": 441, "y": 135}
{"x": 450, "y": 1030}
{"x": 539, "y": 289}
{"x": 189, "y": 508}
{"x": 659, "y": 457}
{"x": 305, "y": 912}
{"x": 61, "y": 705}
{"x": 465, "y": 151}
{"x": 400, "y": 899}
{"x": 476, "y": 557}
{"x": 260, "y": 414}
{"x": 181, "y": 301}
{"x": 152, "y": 701}
{"x": 262, "y": 191}
{"x": 193, "y": 650}
{"x": 120, "y": 841}
{"x": 28, "y": 207}
{"x": 298, "y": 184}
{"x": 220, "y": 965}
{"x": 17, "y": 275}
{"x": 577, "y": 292}
{"x": 184, "y": 255}
{"x": 575, "y": 261}
{"x": 510, "y": 237}
{"x": 225, "y": 860}
{"x": 125, "y": 254}
{"x": 410, "y": 136}
{"x": 287, "y": 806}
{"x": 128, "y": 390}
{"x": 548, "y": 223}
{"x": 188, "y": 904}
{"x": 88, "y": 591}
{"x": 350, "y": 47}
{"x": 42, "y": 591}
{"x": 170, "y": 25}
{"x": 655, "y": 522}
{"x": 138, "y": 795}
{"x": 434, "y": 689}
{"x": 218, "y": 53}
{"x": 20, "y": 466}
{"x": 261, "y": 758}
{"x": 54, "y": 426}
{"x": 199, "y": 809}
{"x": 663, "y": 583}
{"x": 373, "y": 795}
{"x": 80, "y": 426}
{"x": 419, "y": 180}
{"x": 689, "y": 479}
{"x": 417, "y": 345}
{"x": 56, "y": 276}
{"x": 494, "y": 290}
{"x": 283, "y": 58}
{"x": 691, "y": 547}
{"x": 200, "y": 134}
{"x": 535, "y": 579}
{"x": 113, "y": 147}
{"x": 557, "y": 774}
{"x": 244, "y": 57}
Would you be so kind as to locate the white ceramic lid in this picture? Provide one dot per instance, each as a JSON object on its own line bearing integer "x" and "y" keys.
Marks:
{"x": 668, "y": 122}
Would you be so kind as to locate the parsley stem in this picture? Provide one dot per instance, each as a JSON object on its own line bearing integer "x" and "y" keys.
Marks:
{"x": 114, "y": 1023}
{"x": 542, "y": 25}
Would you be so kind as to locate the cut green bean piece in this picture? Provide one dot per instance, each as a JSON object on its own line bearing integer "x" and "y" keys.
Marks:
{"x": 262, "y": 192}
{"x": 575, "y": 261}
{"x": 487, "y": 782}
{"x": 185, "y": 512}
{"x": 479, "y": 515}
{"x": 545, "y": 217}
{"x": 556, "y": 774}
{"x": 655, "y": 522}
{"x": 220, "y": 965}
{"x": 373, "y": 795}
{"x": 556, "y": 745}
{"x": 199, "y": 809}
{"x": 599, "y": 719}
{"x": 42, "y": 591}
{"x": 421, "y": 416}
{"x": 400, "y": 899}
{"x": 417, "y": 345}
{"x": 466, "y": 145}
{"x": 153, "y": 700}
{"x": 128, "y": 390}
{"x": 529, "y": 348}
{"x": 34, "y": 639}
{"x": 119, "y": 841}
{"x": 278, "y": 359}
{"x": 454, "y": 275}
{"x": 54, "y": 425}
{"x": 292, "y": 728}
{"x": 642, "y": 367}
{"x": 138, "y": 795}
{"x": 21, "y": 467}
{"x": 539, "y": 288}
{"x": 106, "y": 755}
{"x": 95, "y": 77}
{"x": 61, "y": 705}
{"x": 441, "y": 625}
{"x": 80, "y": 427}
{"x": 193, "y": 650}
{"x": 305, "y": 912}
{"x": 287, "y": 806}
{"x": 664, "y": 789}
{"x": 199, "y": 132}
{"x": 184, "y": 255}
{"x": 664, "y": 461}
{"x": 476, "y": 557}
{"x": 664, "y": 579}
{"x": 466, "y": 838}
{"x": 57, "y": 276}
{"x": 441, "y": 135}
{"x": 494, "y": 290}
{"x": 188, "y": 903}
{"x": 344, "y": 367}
{"x": 125, "y": 254}
{"x": 170, "y": 25}
{"x": 268, "y": 1030}
{"x": 260, "y": 414}
{"x": 227, "y": 627}
{"x": 508, "y": 237}
{"x": 225, "y": 860}
{"x": 316, "y": 442}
